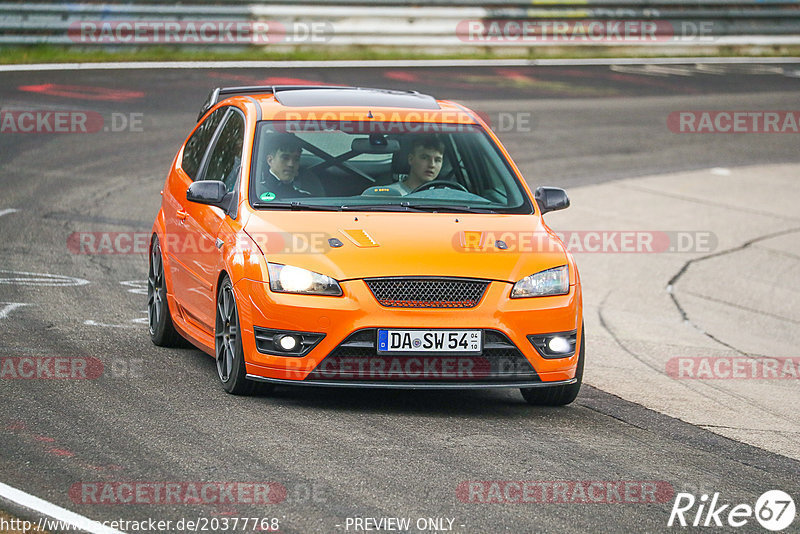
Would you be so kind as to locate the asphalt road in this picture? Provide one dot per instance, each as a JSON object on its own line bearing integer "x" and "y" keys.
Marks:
{"x": 158, "y": 416}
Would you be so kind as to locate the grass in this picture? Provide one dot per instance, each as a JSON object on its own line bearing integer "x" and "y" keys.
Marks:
{"x": 58, "y": 54}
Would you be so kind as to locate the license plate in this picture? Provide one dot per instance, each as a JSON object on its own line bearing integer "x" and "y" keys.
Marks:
{"x": 463, "y": 341}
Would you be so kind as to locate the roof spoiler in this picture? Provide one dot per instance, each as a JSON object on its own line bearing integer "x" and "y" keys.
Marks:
{"x": 221, "y": 93}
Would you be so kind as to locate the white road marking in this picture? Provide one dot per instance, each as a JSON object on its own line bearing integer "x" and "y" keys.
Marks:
{"x": 656, "y": 70}
{"x": 721, "y": 171}
{"x": 23, "y": 278}
{"x": 9, "y": 307}
{"x": 399, "y": 63}
{"x": 89, "y": 322}
{"x": 691, "y": 69}
{"x": 7, "y": 211}
{"x": 56, "y": 512}
{"x": 139, "y": 287}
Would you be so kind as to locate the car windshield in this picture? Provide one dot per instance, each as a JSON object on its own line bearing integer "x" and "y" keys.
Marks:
{"x": 381, "y": 166}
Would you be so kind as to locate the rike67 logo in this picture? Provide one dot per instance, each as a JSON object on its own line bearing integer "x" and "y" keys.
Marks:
{"x": 774, "y": 510}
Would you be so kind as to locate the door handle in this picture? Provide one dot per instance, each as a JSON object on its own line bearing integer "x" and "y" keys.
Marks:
{"x": 182, "y": 215}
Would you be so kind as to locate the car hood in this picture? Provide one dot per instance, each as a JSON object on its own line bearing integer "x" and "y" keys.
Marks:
{"x": 407, "y": 244}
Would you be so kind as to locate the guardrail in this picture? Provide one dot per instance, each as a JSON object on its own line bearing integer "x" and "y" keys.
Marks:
{"x": 441, "y": 24}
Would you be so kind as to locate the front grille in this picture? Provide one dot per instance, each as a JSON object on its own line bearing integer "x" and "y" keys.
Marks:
{"x": 357, "y": 359}
{"x": 427, "y": 292}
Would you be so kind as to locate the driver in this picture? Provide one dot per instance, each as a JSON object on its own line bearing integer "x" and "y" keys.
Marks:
{"x": 283, "y": 159}
{"x": 424, "y": 162}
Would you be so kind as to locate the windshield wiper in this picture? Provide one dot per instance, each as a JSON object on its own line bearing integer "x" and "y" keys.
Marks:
{"x": 403, "y": 206}
{"x": 449, "y": 208}
{"x": 297, "y": 206}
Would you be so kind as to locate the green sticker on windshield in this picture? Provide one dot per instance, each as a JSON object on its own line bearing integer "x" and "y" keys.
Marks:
{"x": 266, "y": 197}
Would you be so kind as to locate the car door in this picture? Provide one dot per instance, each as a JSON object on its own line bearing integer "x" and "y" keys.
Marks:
{"x": 201, "y": 256}
{"x": 184, "y": 278}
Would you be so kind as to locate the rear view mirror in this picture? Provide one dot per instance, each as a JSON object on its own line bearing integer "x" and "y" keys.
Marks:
{"x": 551, "y": 199}
{"x": 375, "y": 144}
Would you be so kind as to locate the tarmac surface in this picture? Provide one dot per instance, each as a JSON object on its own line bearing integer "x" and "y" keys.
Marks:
{"x": 721, "y": 285}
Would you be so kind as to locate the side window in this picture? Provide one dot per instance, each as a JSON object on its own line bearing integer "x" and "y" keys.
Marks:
{"x": 225, "y": 160}
{"x": 198, "y": 143}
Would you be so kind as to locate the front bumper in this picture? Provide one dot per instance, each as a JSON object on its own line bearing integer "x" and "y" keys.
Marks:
{"x": 356, "y": 315}
{"x": 410, "y": 385}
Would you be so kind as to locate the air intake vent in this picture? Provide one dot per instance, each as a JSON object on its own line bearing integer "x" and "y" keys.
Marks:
{"x": 427, "y": 292}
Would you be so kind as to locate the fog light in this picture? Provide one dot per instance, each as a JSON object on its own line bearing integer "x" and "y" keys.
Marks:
{"x": 287, "y": 343}
{"x": 284, "y": 343}
{"x": 559, "y": 344}
{"x": 555, "y": 344}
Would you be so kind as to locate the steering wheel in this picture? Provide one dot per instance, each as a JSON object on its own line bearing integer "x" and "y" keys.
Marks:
{"x": 434, "y": 184}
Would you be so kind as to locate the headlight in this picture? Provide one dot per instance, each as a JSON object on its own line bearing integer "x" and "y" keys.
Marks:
{"x": 550, "y": 282}
{"x": 288, "y": 279}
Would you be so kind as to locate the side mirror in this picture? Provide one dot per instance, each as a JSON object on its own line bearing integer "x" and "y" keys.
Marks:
{"x": 211, "y": 192}
{"x": 551, "y": 199}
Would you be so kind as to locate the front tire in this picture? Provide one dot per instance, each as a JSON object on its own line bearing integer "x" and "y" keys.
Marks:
{"x": 558, "y": 395}
{"x": 228, "y": 343}
{"x": 162, "y": 331}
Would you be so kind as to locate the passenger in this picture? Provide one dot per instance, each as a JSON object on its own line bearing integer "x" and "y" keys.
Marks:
{"x": 424, "y": 162}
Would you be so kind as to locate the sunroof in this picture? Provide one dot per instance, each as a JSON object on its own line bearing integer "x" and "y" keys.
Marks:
{"x": 355, "y": 97}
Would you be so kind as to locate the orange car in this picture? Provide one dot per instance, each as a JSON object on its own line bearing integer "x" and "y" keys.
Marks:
{"x": 343, "y": 236}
